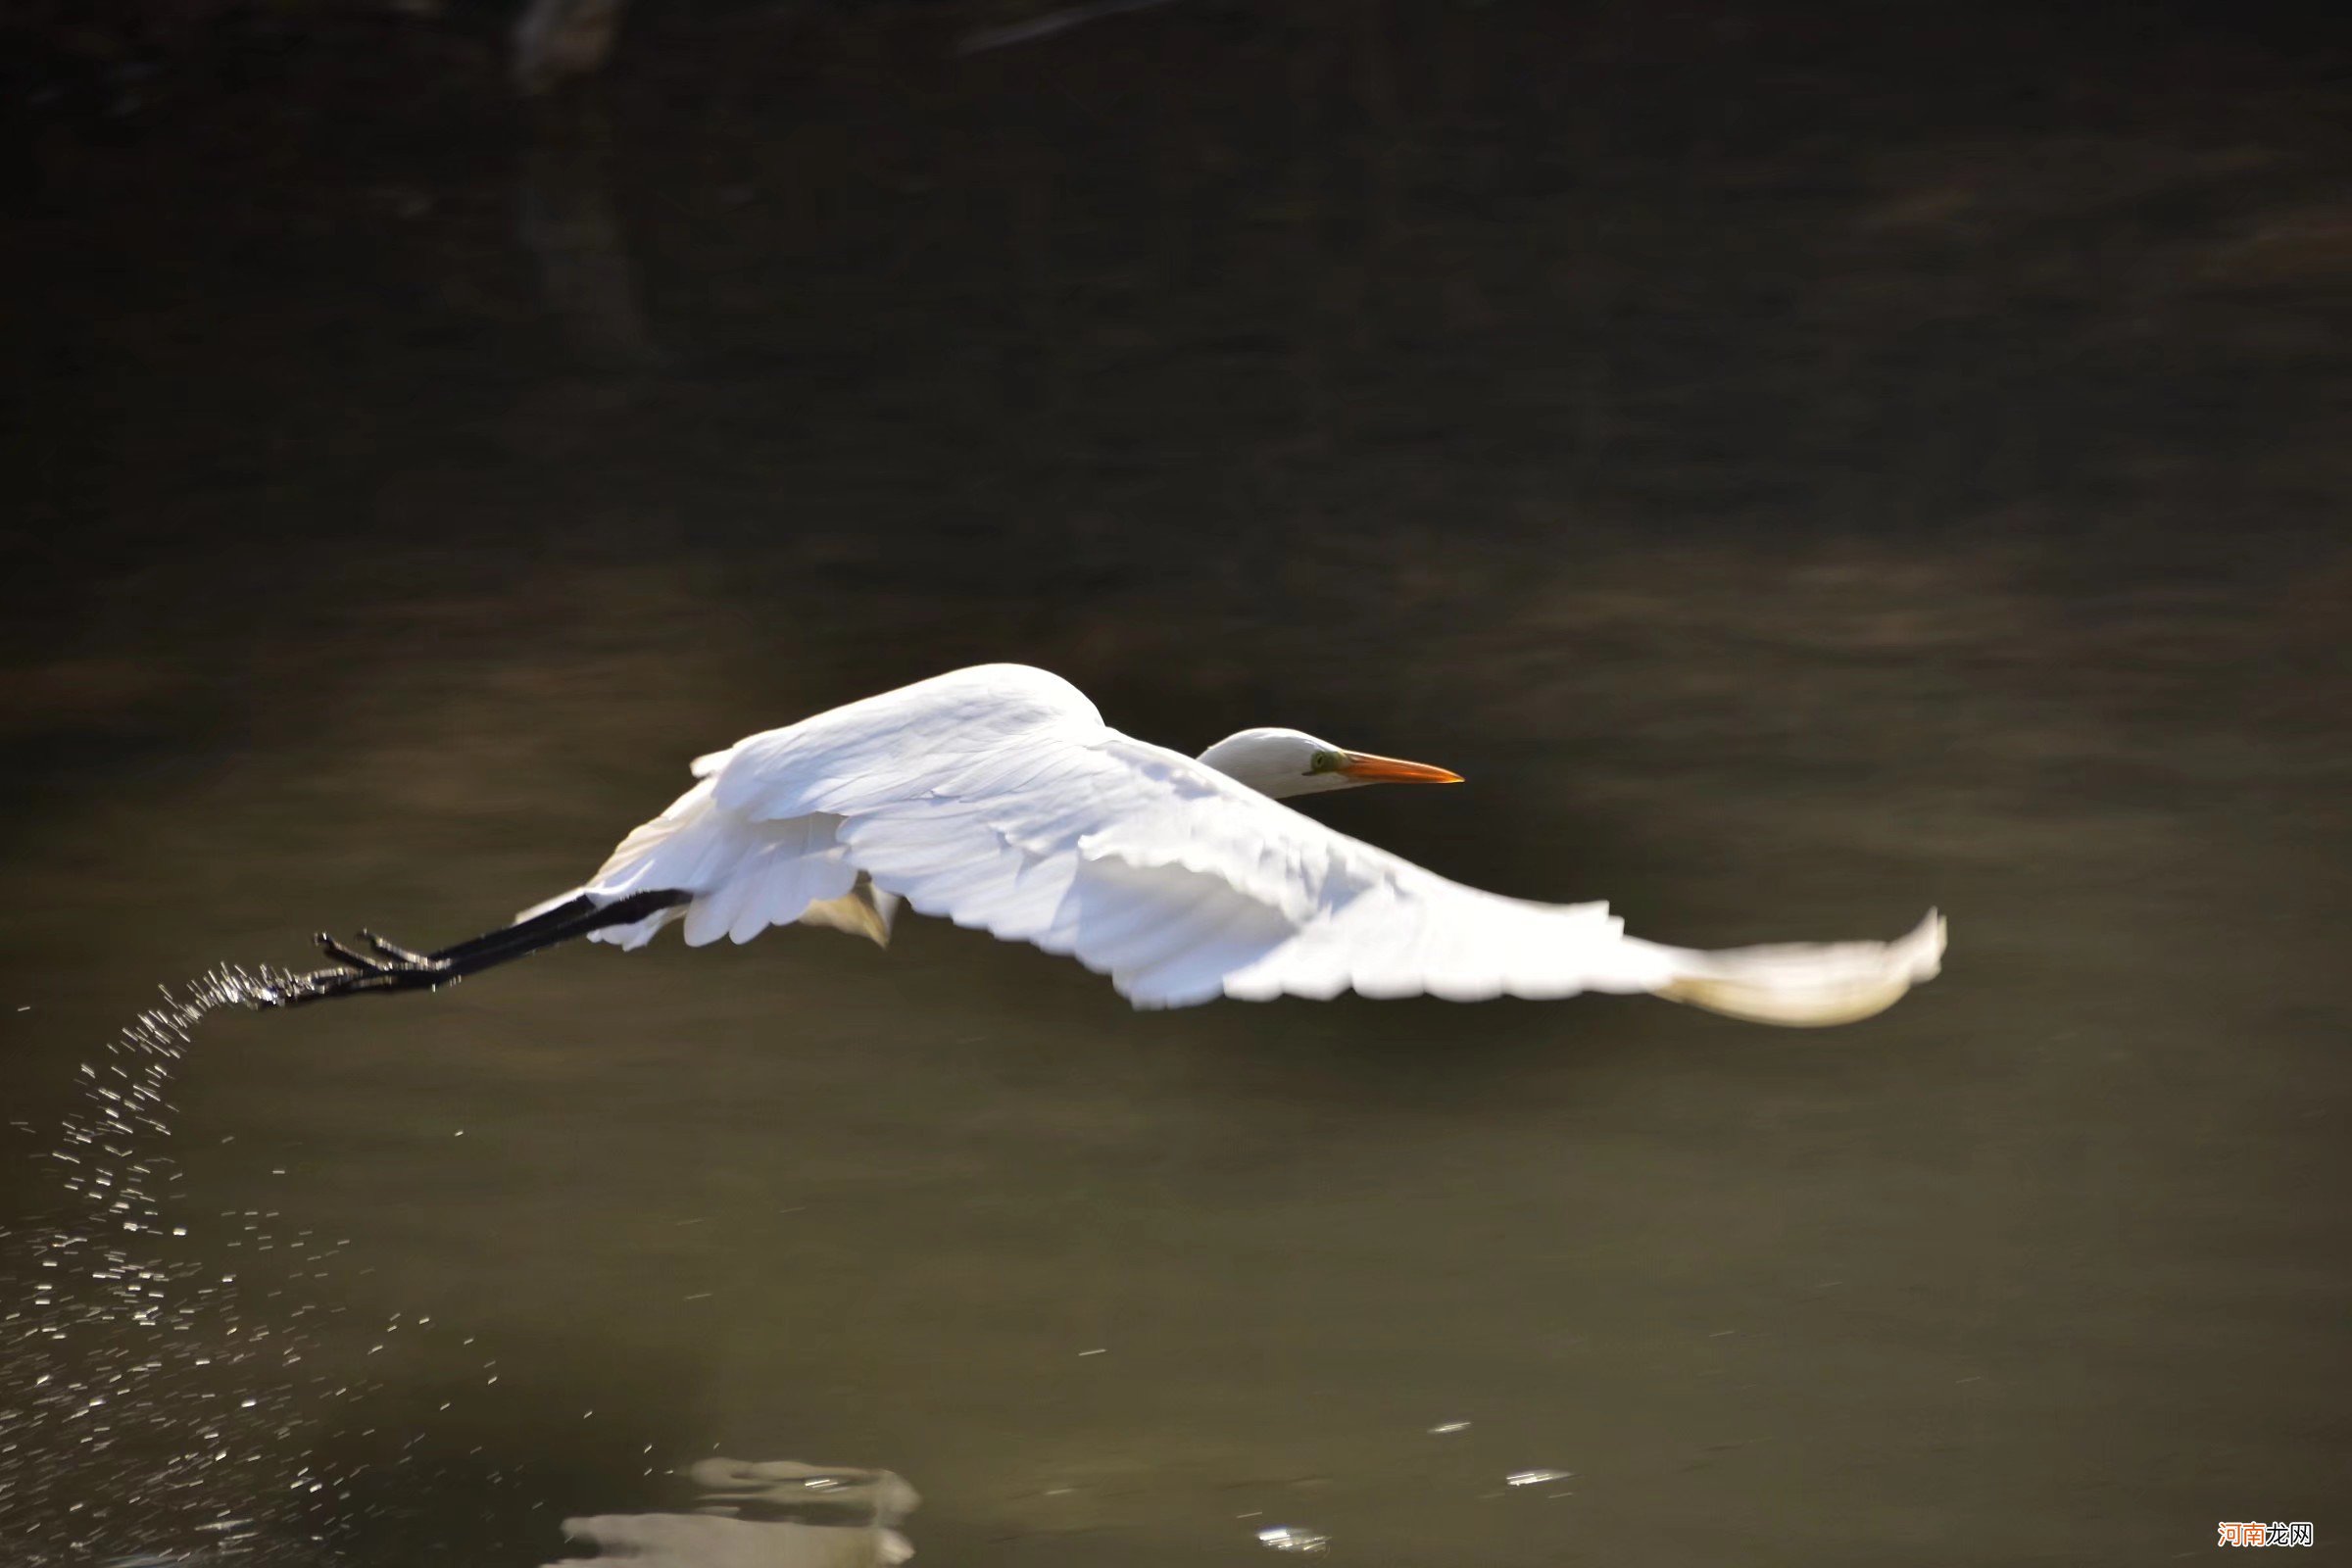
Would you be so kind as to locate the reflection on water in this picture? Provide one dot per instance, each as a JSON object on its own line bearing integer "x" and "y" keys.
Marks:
{"x": 564, "y": 220}
{"x": 1291, "y": 1537}
{"x": 1797, "y": 469}
{"x": 775, "y": 1514}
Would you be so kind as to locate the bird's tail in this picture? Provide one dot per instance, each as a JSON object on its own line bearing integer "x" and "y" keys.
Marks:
{"x": 1804, "y": 984}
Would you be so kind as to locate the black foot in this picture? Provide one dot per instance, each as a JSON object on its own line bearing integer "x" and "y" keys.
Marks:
{"x": 391, "y": 968}
{"x": 393, "y": 950}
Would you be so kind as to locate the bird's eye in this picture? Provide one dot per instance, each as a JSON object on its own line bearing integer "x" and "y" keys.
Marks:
{"x": 1324, "y": 763}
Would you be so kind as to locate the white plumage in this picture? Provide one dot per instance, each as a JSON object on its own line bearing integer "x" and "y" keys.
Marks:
{"x": 996, "y": 796}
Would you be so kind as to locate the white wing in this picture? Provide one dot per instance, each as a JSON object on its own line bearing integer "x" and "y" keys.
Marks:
{"x": 997, "y": 798}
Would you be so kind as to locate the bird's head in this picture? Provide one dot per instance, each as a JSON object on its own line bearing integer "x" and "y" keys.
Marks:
{"x": 1283, "y": 762}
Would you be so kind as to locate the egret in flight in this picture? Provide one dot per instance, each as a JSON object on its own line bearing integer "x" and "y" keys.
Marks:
{"x": 997, "y": 798}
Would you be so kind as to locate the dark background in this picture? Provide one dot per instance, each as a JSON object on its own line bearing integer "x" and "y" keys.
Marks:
{"x": 1802, "y": 462}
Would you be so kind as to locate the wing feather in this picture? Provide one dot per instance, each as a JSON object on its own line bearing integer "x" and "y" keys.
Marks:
{"x": 996, "y": 798}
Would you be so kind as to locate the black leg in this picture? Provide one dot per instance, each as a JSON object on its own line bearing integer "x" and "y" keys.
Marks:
{"x": 392, "y": 967}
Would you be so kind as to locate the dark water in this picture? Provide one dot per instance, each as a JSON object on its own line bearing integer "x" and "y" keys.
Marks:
{"x": 1801, "y": 468}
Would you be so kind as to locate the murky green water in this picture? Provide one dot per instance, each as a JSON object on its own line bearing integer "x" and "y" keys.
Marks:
{"x": 1799, "y": 472}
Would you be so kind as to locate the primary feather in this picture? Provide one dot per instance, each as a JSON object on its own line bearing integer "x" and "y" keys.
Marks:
{"x": 995, "y": 796}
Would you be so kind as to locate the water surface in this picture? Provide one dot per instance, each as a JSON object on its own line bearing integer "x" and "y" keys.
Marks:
{"x": 1801, "y": 470}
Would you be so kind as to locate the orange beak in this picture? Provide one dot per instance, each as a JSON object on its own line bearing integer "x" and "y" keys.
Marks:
{"x": 1390, "y": 770}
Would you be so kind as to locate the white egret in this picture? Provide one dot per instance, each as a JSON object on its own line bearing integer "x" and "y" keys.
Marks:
{"x": 997, "y": 798}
